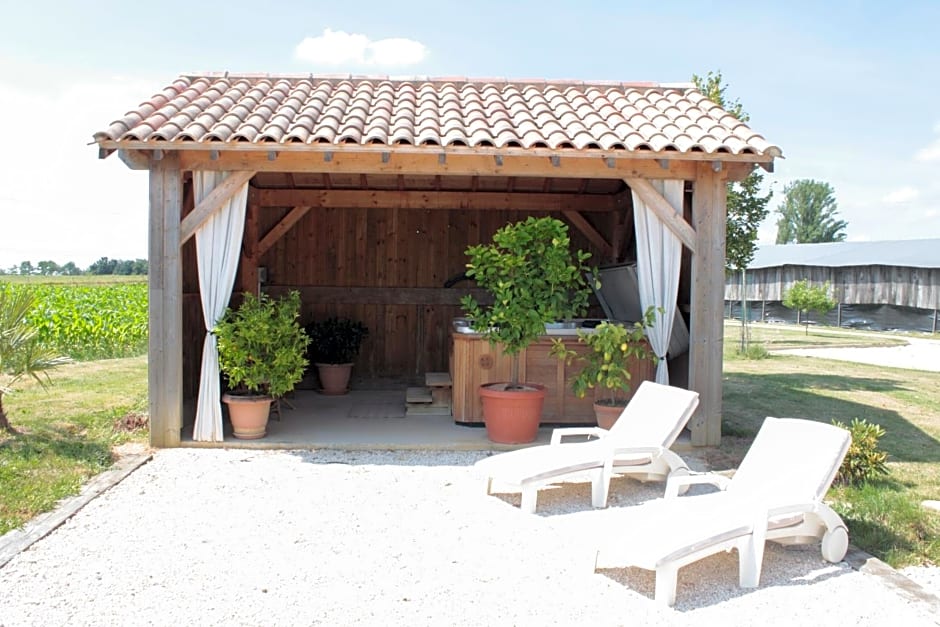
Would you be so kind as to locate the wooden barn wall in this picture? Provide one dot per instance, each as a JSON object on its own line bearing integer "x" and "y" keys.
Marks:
{"x": 856, "y": 285}
{"x": 388, "y": 248}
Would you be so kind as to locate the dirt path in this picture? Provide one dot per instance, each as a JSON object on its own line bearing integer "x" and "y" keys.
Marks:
{"x": 917, "y": 354}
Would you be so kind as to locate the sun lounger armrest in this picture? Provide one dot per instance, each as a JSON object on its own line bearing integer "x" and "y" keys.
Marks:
{"x": 637, "y": 450}
{"x": 565, "y": 432}
{"x": 676, "y": 483}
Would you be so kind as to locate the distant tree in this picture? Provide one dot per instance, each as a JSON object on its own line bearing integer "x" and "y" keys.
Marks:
{"x": 70, "y": 269}
{"x": 140, "y": 266}
{"x": 48, "y": 268}
{"x": 21, "y": 352}
{"x": 102, "y": 266}
{"x": 746, "y": 207}
{"x": 26, "y": 268}
{"x": 808, "y": 214}
{"x": 806, "y": 298}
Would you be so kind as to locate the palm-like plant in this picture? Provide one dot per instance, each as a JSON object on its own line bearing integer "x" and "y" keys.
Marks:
{"x": 22, "y": 354}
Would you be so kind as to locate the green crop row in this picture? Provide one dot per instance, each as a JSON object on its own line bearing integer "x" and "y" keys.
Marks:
{"x": 90, "y": 321}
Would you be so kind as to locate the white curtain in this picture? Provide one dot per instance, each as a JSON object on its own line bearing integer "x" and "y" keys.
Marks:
{"x": 659, "y": 254}
{"x": 218, "y": 247}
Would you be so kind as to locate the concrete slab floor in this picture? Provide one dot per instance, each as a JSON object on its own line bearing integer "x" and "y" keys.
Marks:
{"x": 362, "y": 420}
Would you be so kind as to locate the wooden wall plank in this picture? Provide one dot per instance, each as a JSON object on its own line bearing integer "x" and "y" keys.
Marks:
{"x": 854, "y": 285}
{"x": 387, "y": 268}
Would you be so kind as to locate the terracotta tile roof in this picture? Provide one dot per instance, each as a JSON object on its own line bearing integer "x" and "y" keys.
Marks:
{"x": 454, "y": 112}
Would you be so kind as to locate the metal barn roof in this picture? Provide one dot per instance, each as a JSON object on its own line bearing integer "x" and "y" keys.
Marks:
{"x": 917, "y": 253}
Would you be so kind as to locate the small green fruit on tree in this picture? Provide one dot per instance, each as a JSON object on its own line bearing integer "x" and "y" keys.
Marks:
{"x": 614, "y": 347}
{"x": 533, "y": 277}
{"x": 806, "y": 298}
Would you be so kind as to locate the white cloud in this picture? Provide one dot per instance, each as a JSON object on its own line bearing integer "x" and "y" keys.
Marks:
{"x": 340, "y": 48}
{"x": 901, "y": 195}
{"x": 932, "y": 151}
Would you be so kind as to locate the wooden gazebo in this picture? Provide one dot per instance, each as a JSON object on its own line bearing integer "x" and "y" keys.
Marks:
{"x": 364, "y": 192}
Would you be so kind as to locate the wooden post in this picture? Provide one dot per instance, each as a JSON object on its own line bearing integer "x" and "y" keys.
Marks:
{"x": 165, "y": 352}
{"x": 934, "y": 330}
{"x": 706, "y": 337}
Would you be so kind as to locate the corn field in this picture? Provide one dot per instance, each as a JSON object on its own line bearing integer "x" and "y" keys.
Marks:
{"x": 94, "y": 321}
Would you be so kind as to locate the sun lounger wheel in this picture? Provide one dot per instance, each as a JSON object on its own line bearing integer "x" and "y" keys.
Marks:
{"x": 835, "y": 544}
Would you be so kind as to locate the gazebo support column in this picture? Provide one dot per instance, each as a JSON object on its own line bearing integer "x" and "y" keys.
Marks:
{"x": 165, "y": 352}
{"x": 709, "y": 213}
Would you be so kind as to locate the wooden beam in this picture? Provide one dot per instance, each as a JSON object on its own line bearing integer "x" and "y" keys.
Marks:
{"x": 589, "y": 232}
{"x": 364, "y": 199}
{"x": 165, "y": 343}
{"x": 212, "y": 203}
{"x": 576, "y": 165}
{"x": 334, "y": 295}
{"x": 666, "y": 212}
{"x": 279, "y": 229}
{"x": 331, "y": 151}
{"x": 134, "y": 159}
{"x": 709, "y": 213}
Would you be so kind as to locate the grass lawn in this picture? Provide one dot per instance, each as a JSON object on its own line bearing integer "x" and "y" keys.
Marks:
{"x": 885, "y": 517}
{"x": 66, "y": 433}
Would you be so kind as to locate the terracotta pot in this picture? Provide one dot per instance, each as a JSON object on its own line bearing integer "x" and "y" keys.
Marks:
{"x": 512, "y": 416}
{"x": 607, "y": 414}
{"x": 334, "y": 378}
{"x": 249, "y": 415}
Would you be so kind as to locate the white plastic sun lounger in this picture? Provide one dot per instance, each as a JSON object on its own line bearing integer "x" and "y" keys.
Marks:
{"x": 776, "y": 494}
{"x": 637, "y": 444}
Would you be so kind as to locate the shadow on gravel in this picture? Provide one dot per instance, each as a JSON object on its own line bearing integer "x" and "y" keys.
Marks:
{"x": 388, "y": 458}
{"x": 714, "y": 579}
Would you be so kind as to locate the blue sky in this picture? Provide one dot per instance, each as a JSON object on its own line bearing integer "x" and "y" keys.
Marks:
{"x": 849, "y": 90}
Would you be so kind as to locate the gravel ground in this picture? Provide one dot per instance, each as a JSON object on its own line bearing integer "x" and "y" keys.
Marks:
{"x": 237, "y": 537}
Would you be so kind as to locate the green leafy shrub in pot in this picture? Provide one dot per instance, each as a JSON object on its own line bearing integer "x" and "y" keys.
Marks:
{"x": 614, "y": 347}
{"x": 864, "y": 460}
{"x": 335, "y": 340}
{"x": 534, "y": 279}
{"x": 262, "y": 346}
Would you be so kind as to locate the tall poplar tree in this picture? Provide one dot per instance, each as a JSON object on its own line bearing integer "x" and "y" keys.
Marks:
{"x": 809, "y": 214}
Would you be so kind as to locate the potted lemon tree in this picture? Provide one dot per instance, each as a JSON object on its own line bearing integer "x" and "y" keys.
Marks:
{"x": 262, "y": 354}
{"x": 613, "y": 348}
{"x": 534, "y": 278}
